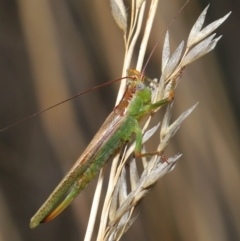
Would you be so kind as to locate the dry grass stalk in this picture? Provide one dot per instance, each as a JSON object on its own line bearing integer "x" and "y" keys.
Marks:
{"x": 119, "y": 203}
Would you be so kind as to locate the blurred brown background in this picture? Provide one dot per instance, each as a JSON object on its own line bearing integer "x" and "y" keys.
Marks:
{"x": 53, "y": 49}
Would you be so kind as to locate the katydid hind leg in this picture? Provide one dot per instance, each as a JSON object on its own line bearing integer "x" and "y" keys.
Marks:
{"x": 138, "y": 147}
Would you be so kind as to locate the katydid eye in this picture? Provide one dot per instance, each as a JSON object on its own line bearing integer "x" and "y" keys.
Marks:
{"x": 140, "y": 86}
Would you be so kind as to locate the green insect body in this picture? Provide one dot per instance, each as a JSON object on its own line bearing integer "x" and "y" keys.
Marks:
{"x": 118, "y": 128}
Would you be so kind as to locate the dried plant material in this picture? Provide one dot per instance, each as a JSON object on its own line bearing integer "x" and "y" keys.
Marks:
{"x": 167, "y": 132}
{"x": 139, "y": 3}
{"x": 196, "y": 34}
{"x": 120, "y": 14}
{"x": 148, "y": 179}
{"x": 201, "y": 49}
{"x": 165, "y": 52}
{"x": 173, "y": 61}
{"x": 133, "y": 174}
{"x": 122, "y": 198}
{"x": 148, "y": 134}
{"x": 147, "y": 30}
{"x": 95, "y": 206}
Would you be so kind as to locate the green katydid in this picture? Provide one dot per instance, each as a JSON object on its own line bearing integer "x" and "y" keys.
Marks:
{"x": 118, "y": 128}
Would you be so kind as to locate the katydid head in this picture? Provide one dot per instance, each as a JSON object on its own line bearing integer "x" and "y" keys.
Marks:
{"x": 142, "y": 92}
{"x": 136, "y": 96}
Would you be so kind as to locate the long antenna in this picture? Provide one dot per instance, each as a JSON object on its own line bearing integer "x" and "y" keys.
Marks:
{"x": 59, "y": 103}
{"x": 160, "y": 39}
